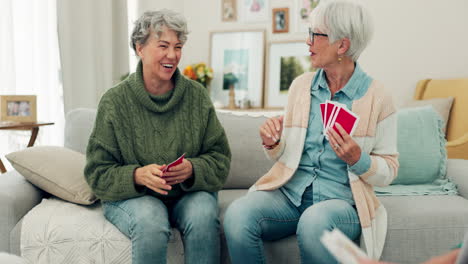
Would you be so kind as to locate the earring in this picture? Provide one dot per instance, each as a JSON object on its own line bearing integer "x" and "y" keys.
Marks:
{"x": 340, "y": 59}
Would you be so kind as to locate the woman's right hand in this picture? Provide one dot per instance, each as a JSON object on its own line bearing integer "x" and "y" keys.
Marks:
{"x": 151, "y": 177}
{"x": 271, "y": 130}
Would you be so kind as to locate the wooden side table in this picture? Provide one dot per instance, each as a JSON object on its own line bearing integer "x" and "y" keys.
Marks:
{"x": 34, "y": 127}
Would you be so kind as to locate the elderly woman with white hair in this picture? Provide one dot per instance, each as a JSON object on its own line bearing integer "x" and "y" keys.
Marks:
{"x": 145, "y": 122}
{"x": 319, "y": 184}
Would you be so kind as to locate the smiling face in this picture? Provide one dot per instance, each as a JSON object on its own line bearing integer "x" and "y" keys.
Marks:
{"x": 160, "y": 56}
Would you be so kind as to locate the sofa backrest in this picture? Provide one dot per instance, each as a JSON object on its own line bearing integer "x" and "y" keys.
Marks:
{"x": 79, "y": 124}
{"x": 248, "y": 160}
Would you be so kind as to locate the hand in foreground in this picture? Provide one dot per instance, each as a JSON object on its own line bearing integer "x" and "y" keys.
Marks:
{"x": 344, "y": 145}
{"x": 179, "y": 173}
{"x": 271, "y": 130}
{"x": 150, "y": 176}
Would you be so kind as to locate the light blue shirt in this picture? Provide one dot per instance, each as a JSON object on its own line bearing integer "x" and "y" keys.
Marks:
{"x": 319, "y": 165}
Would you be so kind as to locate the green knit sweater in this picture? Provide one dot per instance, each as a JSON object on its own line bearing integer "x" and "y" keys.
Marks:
{"x": 134, "y": 128}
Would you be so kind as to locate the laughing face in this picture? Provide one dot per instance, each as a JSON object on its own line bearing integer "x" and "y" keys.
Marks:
{"x": 161, "y": 55}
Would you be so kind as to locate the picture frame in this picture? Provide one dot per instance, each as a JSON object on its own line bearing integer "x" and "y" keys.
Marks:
{"x": 229, "y": 10}
{"x": 237, "y": 58}
{"x": 302, "y": 12}
{"x": 18, "y": 108}
{"x": 254, "y": 11}
{"x": 280, "y": 20}
{"x": 285, "y": 61}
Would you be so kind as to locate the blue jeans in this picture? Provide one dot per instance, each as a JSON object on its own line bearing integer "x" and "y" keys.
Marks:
{"x": 147, "y": 222}
{"x": 269, "y": 215}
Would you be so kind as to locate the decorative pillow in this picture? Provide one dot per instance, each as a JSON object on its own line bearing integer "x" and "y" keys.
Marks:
{"x": 421, "y": 144}
{"x": 56, "y": 170}
{"x": 441, "y": 105}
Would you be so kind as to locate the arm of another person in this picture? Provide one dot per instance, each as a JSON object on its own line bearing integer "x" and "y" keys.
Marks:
{"x": 211, "y": 166}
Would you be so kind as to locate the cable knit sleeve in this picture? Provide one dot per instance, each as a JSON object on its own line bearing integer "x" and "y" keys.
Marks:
{"x": 105, "y": 171}
{"x": 211, "y": 166}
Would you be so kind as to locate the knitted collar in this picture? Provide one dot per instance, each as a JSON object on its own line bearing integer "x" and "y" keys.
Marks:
{"x": 158, "y": 103}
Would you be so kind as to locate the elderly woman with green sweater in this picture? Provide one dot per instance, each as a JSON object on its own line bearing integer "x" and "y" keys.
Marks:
{"x": 144, "y": 123}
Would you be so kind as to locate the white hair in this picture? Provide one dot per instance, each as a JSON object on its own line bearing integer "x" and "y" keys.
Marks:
{"x": 344, "y": 19}
{"x": 153, "y": 21}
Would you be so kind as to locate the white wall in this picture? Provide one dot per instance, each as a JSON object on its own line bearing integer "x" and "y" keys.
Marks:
{"x": 413, "y": 39}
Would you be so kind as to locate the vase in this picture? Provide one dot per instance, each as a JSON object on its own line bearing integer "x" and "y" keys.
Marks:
{"x": 232, "y": 97}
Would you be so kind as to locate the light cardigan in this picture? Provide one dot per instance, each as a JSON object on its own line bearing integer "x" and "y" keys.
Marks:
{"x": 375, "y": 134}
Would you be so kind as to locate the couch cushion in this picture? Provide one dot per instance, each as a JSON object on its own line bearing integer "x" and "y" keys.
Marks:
{"x": 423, "y": 226}
{"x": 63, "y": 226}
{"x": 56, "y": 170}
{"x": 248, "y": 161}
{"x": 421, "y": 144}
{"x": 79, "y": 234}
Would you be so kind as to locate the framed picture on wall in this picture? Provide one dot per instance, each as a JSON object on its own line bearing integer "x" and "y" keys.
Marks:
{"x": 280, "y": 20}
{"x": 254, "y": 11}
{"x": 302, "y": 12}
{"x": 18, "y": 108}
{"x": 229, "y": 10}
{"x": 237, "y": 59}
{"x": 285, "y": 61}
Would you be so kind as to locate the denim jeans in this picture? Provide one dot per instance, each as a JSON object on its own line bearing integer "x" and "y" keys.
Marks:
{"x": 147, "y": 222}
{"x": 269, "y": 215}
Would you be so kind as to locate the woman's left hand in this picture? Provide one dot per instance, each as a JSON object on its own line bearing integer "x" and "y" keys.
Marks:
{"x": 344, "y": 145}
{"x": 179, "y": 173}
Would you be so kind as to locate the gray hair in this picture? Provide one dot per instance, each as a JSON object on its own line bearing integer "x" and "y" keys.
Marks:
{"x": 153, "y": 21}
{"x": 344, "y": 19}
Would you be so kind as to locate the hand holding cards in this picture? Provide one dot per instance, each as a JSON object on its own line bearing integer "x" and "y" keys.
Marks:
{"x": 174, "y": 163}
{"x": 333, "y": 112}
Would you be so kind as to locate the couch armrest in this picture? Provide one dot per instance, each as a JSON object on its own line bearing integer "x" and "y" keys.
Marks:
{"x": 457, "y": 171}
{"x": 458, "y": 148}
{"x": 17, "y": 197}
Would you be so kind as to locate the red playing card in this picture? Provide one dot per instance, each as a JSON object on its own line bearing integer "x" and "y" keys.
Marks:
{"x": 347, "y": 119}
{"x": 174, "y": 163}
{"x": 328, "y": 113}
{"x": 322, "y": 111}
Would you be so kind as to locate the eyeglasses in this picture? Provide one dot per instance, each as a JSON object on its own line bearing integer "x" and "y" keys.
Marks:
{"x": 313, "y": 34}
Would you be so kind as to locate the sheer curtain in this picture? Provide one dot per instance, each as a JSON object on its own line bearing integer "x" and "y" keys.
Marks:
{"x": 93, "y": 47}
{"x": 30, "y": 64}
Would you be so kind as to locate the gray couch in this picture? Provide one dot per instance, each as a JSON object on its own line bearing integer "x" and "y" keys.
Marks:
{"x": 418, "y": 226}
